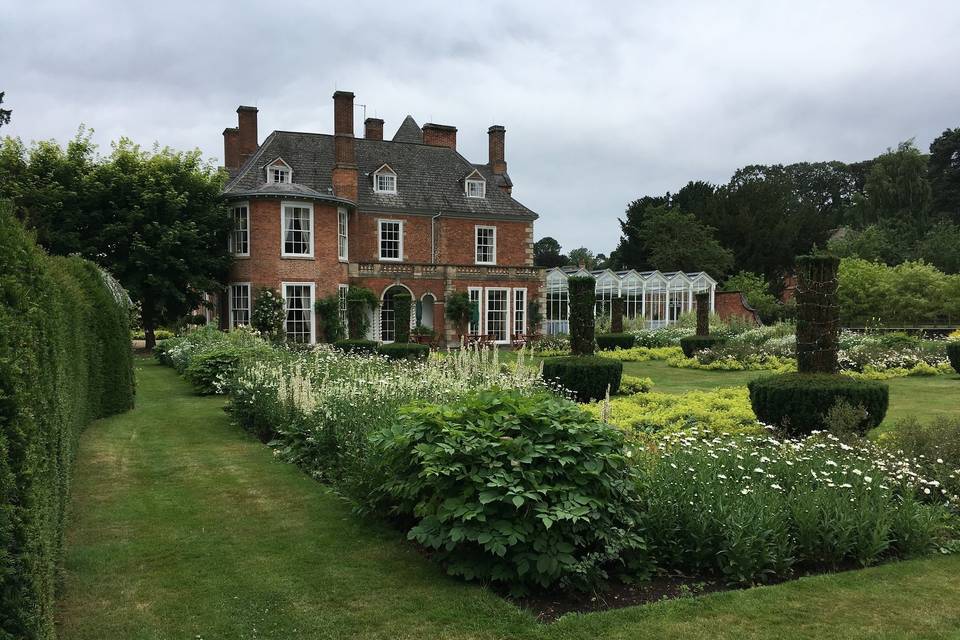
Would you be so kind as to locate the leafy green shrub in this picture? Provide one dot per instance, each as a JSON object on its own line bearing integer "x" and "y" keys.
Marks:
{"x": 458, "y": 309}
{"x": 269, "y": 314}
{"x": 65, "y": 360}
{"x": 609, "y": 341}
{"x": 528, "y": 491}
{"x": 356, "y": 346}
{"x": 328, "y": 312}
{"x": 953, "y": 353}
{"x": 587, "y": 377}
{"x": 642, "y": 354}
{"x": 360, "y": 302}
{"x": 211, "y": 370}
{"x": 159, "y": 334}
{"x": 798, "y": 402}
{"x": 644, "y": 417}
{"x": 404, "y": 351}
{"x": 630, "y": 385}
{"x": 692, "y": 344}
{"x": 843, "y": 420}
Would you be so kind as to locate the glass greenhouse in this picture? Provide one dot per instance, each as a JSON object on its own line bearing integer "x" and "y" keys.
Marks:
{"x": 651, "y": 298}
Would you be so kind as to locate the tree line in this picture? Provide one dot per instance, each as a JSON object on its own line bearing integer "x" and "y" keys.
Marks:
{"x": 153, "y": 218}
{"x": 901, "y": 206}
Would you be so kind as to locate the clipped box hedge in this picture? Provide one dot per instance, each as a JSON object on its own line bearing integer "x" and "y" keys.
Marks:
{"x": 953, "y": 353}
{"x": 587, "y": 377}
{"x": 356, "y": 346}
{"x": 65, "y": 360}
{"x": 691, "y": 344}
{"x": 404, "y": 351}
{"x": 798, "y": 402}
{"x": 611, "y": 341}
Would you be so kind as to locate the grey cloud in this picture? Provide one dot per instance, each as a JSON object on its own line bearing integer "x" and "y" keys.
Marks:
{"x": 603, "y": 102}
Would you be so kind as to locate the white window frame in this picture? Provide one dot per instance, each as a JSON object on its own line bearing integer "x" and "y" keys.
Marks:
{"x": 249, "y": 309}
{"x": 522, "y": 311}
{"x": 389, "y": 173}
{"x": 342, "y": 290}
{"x": 310, "y": 309}
{"x": 279, "y": 165}
{"x": 380, "y": 256}
{"x": 245, "y": 206}
{"x": 343, "y": 234}
{"x": 476, "y": 244}
{"x": 508, "y": 321}
{"x": 283, "y": 229}
{"x": 479, "y": 300}
{"x": 474, "y": 182}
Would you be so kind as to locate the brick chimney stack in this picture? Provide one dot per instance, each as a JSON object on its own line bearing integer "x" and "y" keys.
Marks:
{"x": 496, "y": 134}
{"x": 345, "y": 165}
{"x": 373, "y": 129}
{"x": 440, "y": 135}
{"x": 231, "y": 151}
{"x": 247, "y": 141}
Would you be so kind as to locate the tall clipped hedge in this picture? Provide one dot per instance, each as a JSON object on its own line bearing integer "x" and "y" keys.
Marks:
{"x": 402, "y": 304}
{"x": 583, "y": 297}
{"x": 65, "y": 360}
{"x": 953, "y": 353}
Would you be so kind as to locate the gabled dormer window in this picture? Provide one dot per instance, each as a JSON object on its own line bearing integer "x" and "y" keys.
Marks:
{"x": 385, "y": 180}
{"x": 279, "y": 172}
{"x": 476, "y": 189}
{"x": 475, "y": 186}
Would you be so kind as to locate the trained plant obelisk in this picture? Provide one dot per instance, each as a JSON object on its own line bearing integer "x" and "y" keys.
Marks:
{"x": 583, "y": 297}
{"x": 798, "y": 403}
{"x": 818, "y": 314}
{"x": 586, "y": 376}
{"x": 616, "y": 315}
{"x": 703, "y": 313}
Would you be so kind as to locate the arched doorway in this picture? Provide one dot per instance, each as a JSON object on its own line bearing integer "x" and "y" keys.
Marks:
{"x": 387, "y": 319}
{"x": 425, "y": 310}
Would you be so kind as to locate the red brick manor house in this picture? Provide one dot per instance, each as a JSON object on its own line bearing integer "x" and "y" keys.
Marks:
{"x": 315, "y": 213}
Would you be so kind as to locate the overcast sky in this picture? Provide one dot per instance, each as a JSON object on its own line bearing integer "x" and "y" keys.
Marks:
{"x": 602, "y": 102}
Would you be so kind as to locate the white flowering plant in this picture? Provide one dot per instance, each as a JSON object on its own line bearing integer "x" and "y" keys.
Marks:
{"x": 755, "y": 509}
{"x": 319, "y": 408}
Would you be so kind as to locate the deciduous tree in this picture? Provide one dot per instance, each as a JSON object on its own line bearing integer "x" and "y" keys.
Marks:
{"x": 546, "y": 253}
{"x": 153, "y": 218}
{"x": 944, "y": 174}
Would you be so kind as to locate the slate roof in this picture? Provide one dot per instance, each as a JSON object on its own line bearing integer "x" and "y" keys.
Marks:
{"x": 409, "y": 131}
{"x": 429, "y": 178}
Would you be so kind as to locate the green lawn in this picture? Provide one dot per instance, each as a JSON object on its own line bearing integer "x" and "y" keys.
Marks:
{"x": 924, "y": 397}
{"x": 182, "y": 526}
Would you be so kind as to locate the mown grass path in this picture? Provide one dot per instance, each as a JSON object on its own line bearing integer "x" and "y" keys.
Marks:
{"x": 184, "y": 527}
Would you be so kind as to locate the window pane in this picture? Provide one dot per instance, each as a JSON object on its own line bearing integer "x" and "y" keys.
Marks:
{"x": 342, "y": 234}
{"x": 497, "y": 320}
{"x": 297, "y": 234}
{"x": 519, "y": 311}
{"x": 239, "y": 305}
{"x": 342, "y": 304}
{"x": 299, "y": 303}
{"x": 474, "y": 327}
{"x": 240, "y": 238}
{"x": 390, "y": 240}
{"x": 486, "y": 251}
